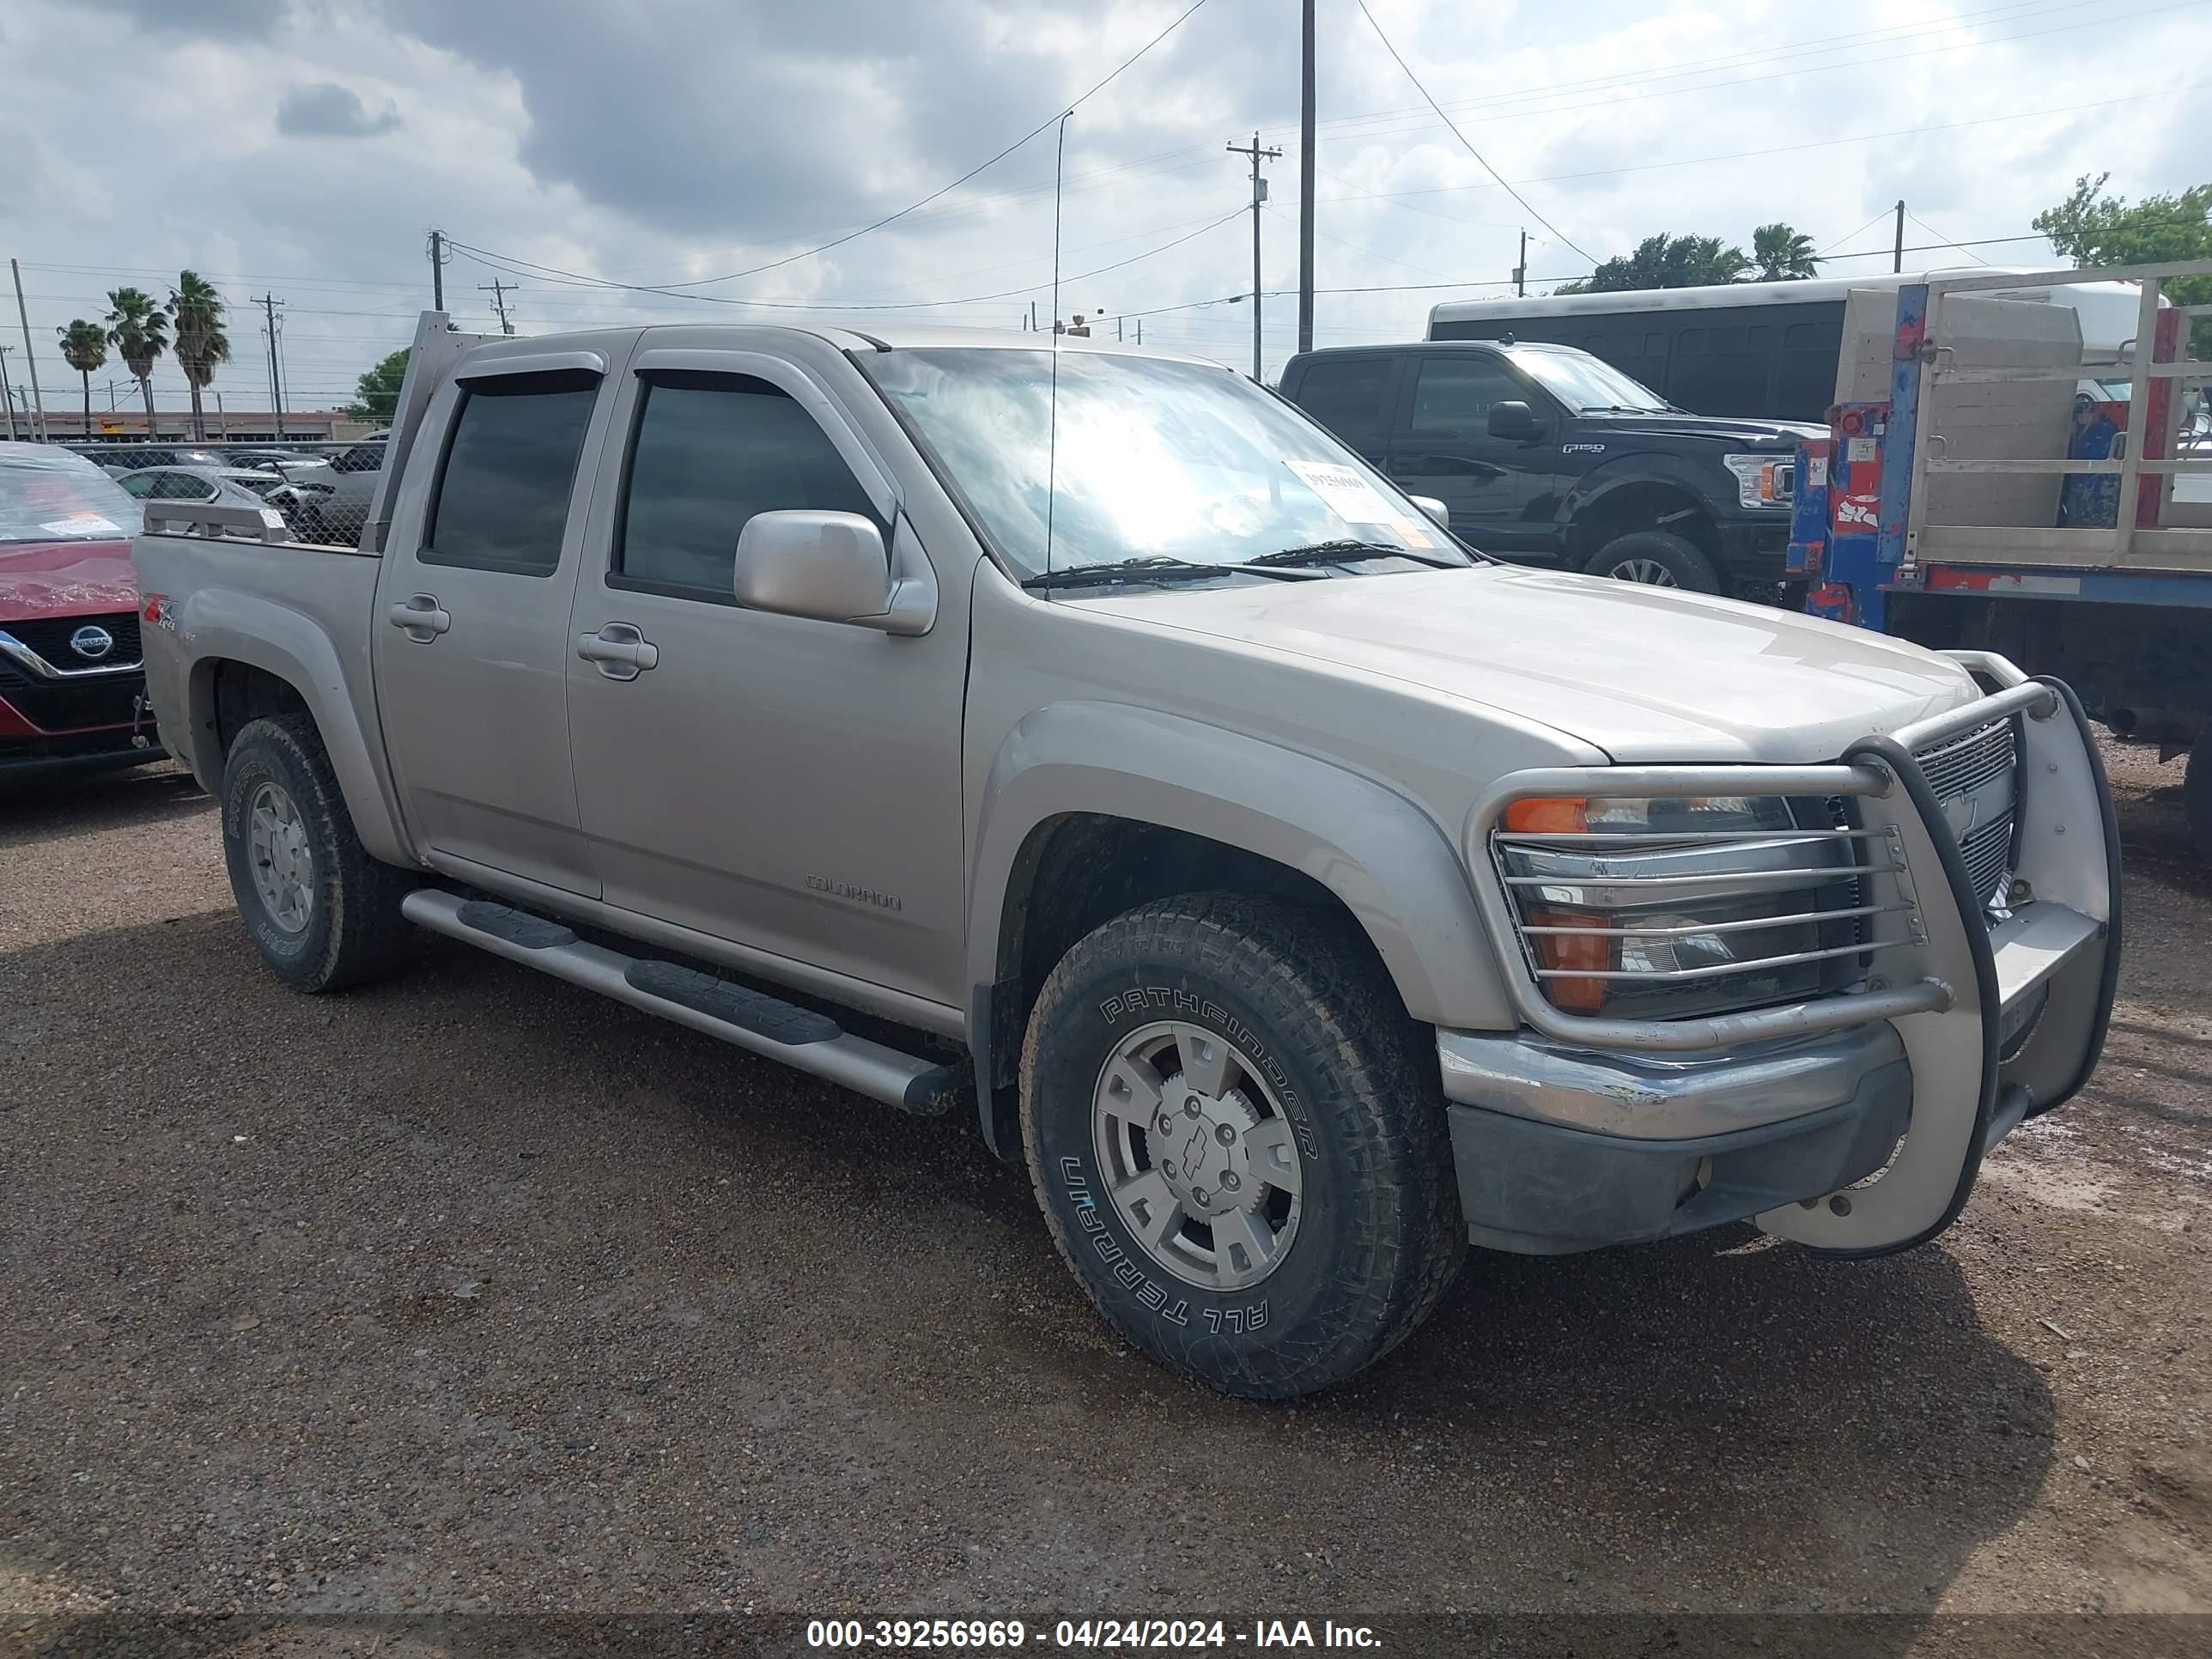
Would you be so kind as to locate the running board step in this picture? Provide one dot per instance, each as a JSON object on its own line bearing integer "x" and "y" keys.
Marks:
{"x": 748, "y": 1020}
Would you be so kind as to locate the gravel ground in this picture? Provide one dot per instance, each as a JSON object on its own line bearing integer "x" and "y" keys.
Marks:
{"x": 474, "y": 1292}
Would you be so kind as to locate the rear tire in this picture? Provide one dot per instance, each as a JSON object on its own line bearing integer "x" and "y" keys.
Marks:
{"x": 1314, "y": 1221}
{"x": 1658, "y": 559}
{"x": 322, "y": 913}
{"x": 2196, "y": 797}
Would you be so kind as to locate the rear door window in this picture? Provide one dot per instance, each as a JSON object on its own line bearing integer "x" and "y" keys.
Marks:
{"x": 1347, "y": 395}
{"x": 510, "y": 468}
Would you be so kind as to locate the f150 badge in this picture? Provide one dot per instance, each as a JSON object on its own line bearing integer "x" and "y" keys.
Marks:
{"x": 1581, "y": 449}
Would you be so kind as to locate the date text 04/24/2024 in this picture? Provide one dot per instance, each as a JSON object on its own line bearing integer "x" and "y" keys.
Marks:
{"x": 1009, "y": 1635}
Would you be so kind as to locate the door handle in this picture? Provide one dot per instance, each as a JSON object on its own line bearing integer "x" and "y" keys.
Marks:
{"x": 420, "y": 617}
{"x": 621, "y": 650}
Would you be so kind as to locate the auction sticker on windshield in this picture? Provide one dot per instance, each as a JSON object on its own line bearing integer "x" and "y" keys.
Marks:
{"x": 1344, "y": 492}
{"x": 84, "y": 523}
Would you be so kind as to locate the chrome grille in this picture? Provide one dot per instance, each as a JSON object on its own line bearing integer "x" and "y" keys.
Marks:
{"x": 1975, "y": 776}
{"x": 1964, "y": 764}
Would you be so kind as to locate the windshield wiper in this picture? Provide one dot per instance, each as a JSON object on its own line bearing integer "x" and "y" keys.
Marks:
{"x": 1345, "y": 551}
{"x": 1629, "y": 409}
{"x": 1155, "y": 568}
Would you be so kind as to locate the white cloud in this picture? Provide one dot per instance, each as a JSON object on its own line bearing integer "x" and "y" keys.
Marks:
{"x": 674, "y": 140}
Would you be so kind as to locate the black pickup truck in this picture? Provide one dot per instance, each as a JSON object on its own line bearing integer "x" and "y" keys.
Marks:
{"x": 1545, "y": 454}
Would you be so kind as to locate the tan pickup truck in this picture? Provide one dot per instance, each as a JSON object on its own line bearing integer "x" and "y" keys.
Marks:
{"x": 1302, "y": 895}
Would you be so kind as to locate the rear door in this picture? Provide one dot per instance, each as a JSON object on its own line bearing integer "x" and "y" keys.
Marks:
{"x": 471, "y": 629}
{"x": 1352, "y": 396}
{"x": 1502, "y": 493}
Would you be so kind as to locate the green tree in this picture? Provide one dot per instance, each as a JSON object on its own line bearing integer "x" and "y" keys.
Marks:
{"x": 1781, "y": 253}
{"x": 196, "y": 310}
{"x": 376, "y": 394}
{"x": 84, "y": 347}
{"x": 139, "y": 330}
{"x": 1664, "y": 261}
{"x": 2093, "y": 229}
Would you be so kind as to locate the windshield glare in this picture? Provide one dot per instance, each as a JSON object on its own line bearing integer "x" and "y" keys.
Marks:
{"x": 1151, "y": 460}
{"x": 1582, "y": 382}
{"x": 52, "y": 496}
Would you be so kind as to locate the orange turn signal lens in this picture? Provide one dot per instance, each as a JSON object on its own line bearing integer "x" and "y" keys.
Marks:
{"x": 1568, "y": 952}
{"x": 1563, "y": 815}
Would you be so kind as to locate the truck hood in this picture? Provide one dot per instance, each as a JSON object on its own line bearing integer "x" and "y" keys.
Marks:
{"x": 1711, "y": 429}
{"x": 1643, "y": 673}
{"x": 65, "y": 579}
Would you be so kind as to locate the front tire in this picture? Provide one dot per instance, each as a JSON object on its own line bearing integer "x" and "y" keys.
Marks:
{"x": 322, "y": 913}
{"x": 1237, "y": 1144}
{"x": 1657, "y": 559}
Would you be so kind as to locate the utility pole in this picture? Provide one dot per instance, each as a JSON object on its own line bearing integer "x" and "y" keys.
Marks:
{"x": 1259, "y": 195}
{"x": 1521, "y": 270}
{"x": 497, "y": 289}
{"x": 1305, "y": 180}
{"x": 1140, "y": 330}
{"x": 1897, "y": 257}
{"x": 269, "y": 304}
{"x": 438, "y": 271}
{"x": 1033, "y": 316}
{"x": 30, "y": 358}
{"x": 6, "y": 395}
{"x": 222, "y": 425}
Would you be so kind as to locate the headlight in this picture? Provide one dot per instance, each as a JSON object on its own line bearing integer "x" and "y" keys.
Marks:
{"x": 1667, "y": 906}
{"x": 1763, "y": 480}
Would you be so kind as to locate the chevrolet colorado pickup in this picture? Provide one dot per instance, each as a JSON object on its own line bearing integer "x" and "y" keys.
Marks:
{"x": 1085, "y": 739}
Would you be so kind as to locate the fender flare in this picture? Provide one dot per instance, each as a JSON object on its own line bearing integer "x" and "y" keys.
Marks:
{"x": 1610, "y": 478}
{"x": 225, "y": 625}
{"x": 1391, "y": 865}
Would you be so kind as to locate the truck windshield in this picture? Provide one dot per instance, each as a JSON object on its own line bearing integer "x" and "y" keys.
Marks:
{"x": 48, "y": 494}
{"x": 1588, "y": 385}
{"x": 1152, "y": 458}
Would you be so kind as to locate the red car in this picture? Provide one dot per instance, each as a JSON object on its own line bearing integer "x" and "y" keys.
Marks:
{"x": 71, "y": 685}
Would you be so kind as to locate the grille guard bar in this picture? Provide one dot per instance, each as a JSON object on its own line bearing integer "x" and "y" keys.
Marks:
{"x": 1953, "y": 977}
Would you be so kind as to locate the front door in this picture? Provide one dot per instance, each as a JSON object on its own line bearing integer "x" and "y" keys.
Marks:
{"x": 1502, "y": 493}
{"x": 787, "y": 785}
{"x": 472, "y": 625}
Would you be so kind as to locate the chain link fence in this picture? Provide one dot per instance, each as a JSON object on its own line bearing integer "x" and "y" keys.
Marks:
{"x": 323, "y": 489}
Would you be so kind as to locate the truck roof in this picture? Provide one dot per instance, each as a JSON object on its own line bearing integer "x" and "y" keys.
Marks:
{"x": 918, "y": 335}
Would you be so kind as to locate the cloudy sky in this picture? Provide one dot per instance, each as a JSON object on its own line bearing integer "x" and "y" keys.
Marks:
{"x": 305, "y": 149}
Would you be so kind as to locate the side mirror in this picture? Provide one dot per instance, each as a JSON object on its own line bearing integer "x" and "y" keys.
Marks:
{"x": 829, "y": 567}
{"x": 1515, "y": 422}
{"x": 1435, "y": 508}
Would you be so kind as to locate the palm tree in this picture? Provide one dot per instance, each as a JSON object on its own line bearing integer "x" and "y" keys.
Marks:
{"x": 1782, "y": 254}
{"x": 139, "y": 330}
{"x": 196, "y": 310}
{"x": 1664, "y": 261}
{"x": 84, "y": 347}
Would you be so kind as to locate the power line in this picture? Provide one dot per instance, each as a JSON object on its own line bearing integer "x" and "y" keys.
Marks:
{"x": 1516, "y": 106}
{"x": 1932, "y": 231}
{"x": 1057, "y": 116}
{"x": 509, "y": 262}
{"x": 1462, "y": 138}
{"x": 1786, "y": 50}
{"x": 1861, "y": 231}
{"x": 1823, "y": 143}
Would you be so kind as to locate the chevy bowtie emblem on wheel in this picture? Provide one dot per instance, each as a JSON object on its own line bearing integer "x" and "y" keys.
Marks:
{"x": 92, "y": 643}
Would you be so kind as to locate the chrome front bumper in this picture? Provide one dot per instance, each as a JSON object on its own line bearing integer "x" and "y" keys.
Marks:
{"x": 1991, "y": 1022}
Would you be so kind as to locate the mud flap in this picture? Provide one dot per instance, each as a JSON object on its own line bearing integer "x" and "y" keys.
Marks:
{"x": 2031, "y": 996}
